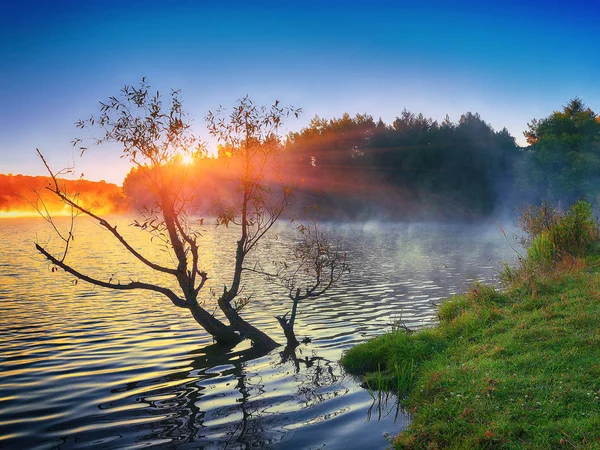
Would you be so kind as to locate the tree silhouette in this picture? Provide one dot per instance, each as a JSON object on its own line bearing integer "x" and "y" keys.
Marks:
{"x": 156, "y": 138}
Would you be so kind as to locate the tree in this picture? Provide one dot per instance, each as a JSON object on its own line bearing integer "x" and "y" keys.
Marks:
{"x": 426, "y": 169}
{"x": 155, "y": 138}
{"x": 563, "y": 160}
{"x": 320, "y": 263}
{"x": 327, "y": 154}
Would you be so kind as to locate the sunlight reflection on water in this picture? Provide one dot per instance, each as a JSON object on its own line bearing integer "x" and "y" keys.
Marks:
{"x": 85, "y": 367}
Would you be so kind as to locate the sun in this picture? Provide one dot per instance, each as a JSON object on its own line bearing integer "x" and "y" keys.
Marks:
{"x": 187, "y": 159}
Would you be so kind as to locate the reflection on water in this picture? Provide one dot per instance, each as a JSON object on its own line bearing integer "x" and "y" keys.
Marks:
{"x": 85, "y": 367}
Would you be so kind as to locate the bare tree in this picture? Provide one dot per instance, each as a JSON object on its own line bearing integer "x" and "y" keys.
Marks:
{"x": 154, "y": 138}
{"x": 318, "y": 262}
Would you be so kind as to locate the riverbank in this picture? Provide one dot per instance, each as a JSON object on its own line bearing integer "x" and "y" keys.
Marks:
{"x": 512, "y": 369}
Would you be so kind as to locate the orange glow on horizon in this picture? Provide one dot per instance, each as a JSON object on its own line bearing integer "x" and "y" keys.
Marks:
{"x": 202, "y": 181}
{"x": 19, "y": 194}
{"x": 18, "y": 214}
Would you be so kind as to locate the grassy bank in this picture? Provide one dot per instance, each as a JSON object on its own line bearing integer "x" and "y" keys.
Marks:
{"x": 517, "y": 368}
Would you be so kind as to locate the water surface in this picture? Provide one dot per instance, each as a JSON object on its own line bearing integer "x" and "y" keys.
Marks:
{"x": 87, "y": 367}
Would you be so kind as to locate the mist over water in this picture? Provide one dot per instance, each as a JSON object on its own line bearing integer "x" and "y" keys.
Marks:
{"x": 87, "y": 367}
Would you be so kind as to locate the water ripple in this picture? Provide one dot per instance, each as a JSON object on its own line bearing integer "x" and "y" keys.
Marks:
{"x": 87, "y": 368}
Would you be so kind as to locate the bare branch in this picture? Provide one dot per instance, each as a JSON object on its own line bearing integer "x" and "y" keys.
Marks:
{"x": 129, "y": 286}
{"x": 65, "y": 198}
{"x": 45, "y": 214}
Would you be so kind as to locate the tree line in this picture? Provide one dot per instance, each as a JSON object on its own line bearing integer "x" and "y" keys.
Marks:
{"x": 417, "y": 168}
{"x": 423, "y": 168}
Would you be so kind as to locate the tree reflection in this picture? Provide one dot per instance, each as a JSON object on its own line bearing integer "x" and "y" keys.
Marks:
{"x": 312, "y": 373}
{"x": 226, "y": 399}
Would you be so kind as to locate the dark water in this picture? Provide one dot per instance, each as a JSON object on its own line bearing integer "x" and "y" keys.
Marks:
{"x": 86, "y": 367}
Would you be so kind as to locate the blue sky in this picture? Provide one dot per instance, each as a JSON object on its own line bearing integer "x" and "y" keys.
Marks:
{"x": 509, "y": 61}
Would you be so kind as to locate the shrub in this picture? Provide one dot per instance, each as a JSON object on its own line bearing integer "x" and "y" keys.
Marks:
{"x": 541, "y": 251}
{"x": 576, "y": 230}
{"x": 534, "y": 220}
{"x": 552, "y": 236}
{"x": 551, "y": 232}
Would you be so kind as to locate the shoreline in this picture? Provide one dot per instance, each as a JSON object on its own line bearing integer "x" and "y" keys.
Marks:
{"x": 501, "y": 369}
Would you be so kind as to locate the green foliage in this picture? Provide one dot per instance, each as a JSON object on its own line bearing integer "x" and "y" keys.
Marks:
{"x": 525, "y": 380}
{"x": 541, "y": 251}
{"x": 553, "y": 237}
{"x": 512, "y": 369}
{"x": 452, "y": 308}
{"x": 428, "y": 168}
{"x": 577, "y": 230}
{"x": 383, "y": 352}
{"x": 564, "y": 155}
{"x": 534, "y": 220}
{"x": 399, "y": 380}
{"x": 392, "y": 360}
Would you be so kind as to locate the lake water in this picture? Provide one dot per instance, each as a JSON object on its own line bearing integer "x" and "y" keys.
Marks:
{"x": 87, "y": 367}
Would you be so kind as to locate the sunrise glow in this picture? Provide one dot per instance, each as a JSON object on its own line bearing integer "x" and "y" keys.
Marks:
{"x": 187, "y": 159}
{"x": 17, "y": 214}
{"x": 23, "y": 194}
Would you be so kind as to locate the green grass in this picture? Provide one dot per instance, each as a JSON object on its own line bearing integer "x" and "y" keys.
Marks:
{"x": 513, "y": 369}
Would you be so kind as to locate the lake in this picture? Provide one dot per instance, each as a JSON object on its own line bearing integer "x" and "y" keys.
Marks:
{"x": 87, "y": 367}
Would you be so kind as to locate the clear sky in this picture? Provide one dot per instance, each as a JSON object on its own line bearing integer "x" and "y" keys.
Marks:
{"x": 510, "y": 61}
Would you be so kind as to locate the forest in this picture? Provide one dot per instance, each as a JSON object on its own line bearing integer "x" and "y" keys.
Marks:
{"x": 359, "y": 168}
{"x": 417, "y": 168}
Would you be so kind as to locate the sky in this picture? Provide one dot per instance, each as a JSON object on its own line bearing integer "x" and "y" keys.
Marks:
{"x": 509, "y": 61}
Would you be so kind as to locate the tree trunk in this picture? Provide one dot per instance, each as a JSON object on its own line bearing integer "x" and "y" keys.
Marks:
{"x": 288, "y": 330}
{"x": 245, "y": 329}
{"x": 222, "y": 333}
{"x": 288, "y": 325}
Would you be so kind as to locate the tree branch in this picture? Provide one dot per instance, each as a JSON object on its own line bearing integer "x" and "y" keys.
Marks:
{"x": 129, "y": 286}
{"x": 57, "y": 191}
